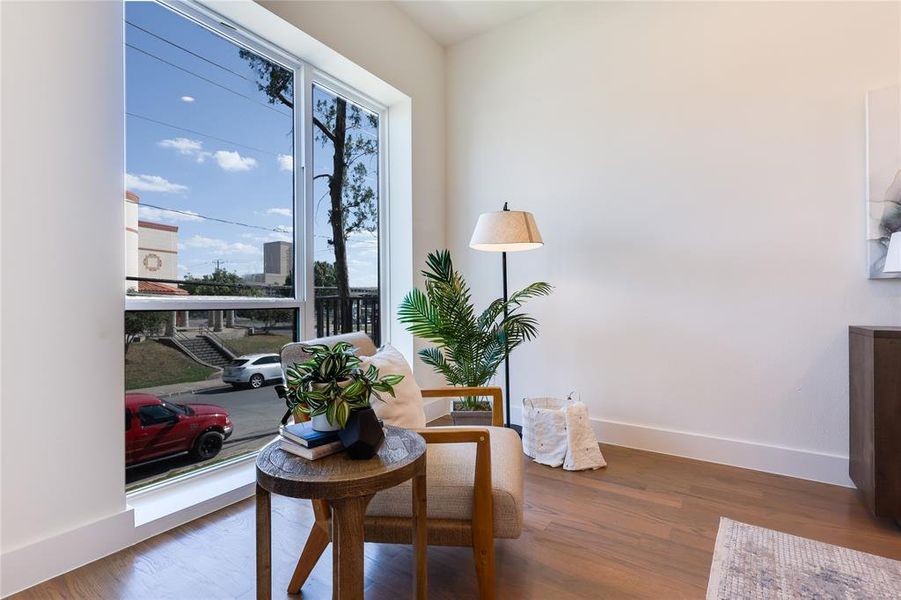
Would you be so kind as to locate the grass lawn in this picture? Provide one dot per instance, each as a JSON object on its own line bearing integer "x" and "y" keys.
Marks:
{"x": 258, "y": 344}
{"x": 150, "y": 363}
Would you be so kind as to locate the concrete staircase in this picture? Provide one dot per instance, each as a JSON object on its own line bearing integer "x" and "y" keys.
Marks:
{"x": 206, "y": 351}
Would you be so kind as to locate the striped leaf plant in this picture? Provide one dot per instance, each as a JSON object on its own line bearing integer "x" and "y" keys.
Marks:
{"x": 332, "y": 382}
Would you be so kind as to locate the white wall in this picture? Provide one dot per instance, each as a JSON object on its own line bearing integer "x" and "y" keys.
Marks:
{"x": 698, "y": 173}
{"x": 63, "y": 267}
{"x": 63, "y": 500}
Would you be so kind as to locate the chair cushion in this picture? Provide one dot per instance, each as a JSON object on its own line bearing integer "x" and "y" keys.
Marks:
{"x": 451, "y": 471}
{"x": 405, "y": 408}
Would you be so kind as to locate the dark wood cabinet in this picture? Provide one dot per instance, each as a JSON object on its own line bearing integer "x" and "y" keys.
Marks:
{"x": 875, "y": 417}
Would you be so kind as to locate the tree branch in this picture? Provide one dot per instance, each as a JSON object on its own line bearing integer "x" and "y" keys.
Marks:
{"x": 325, "y": 130}
{"x": 282, "y": 99}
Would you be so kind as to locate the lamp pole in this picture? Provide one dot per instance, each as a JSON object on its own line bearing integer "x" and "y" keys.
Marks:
{"x": 517, "y": 428}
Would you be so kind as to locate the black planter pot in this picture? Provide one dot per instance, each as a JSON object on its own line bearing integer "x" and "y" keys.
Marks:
{"x": 363, "y": 435}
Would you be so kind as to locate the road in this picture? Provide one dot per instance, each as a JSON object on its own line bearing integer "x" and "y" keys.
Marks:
{"x": 255, "y": 414}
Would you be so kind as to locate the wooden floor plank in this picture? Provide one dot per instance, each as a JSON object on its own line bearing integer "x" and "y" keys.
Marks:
{"x": 644, "y": 527}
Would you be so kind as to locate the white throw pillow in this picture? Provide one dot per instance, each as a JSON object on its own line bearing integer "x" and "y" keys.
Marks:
{"x": 405, "y": 409}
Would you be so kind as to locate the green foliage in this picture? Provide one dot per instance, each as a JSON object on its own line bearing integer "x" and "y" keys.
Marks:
{"x": 469, "y": 347}
{"x": 275, "y": 81}
{"x": 270, "y": 317}
{"x": 142, "y": 323}
{"x": 324, "y": 274}
{"x": 227, "y": 283}
{"x": 332, "y": 383}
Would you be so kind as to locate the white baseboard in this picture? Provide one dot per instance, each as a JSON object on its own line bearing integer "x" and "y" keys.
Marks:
{"x": 148, "y": 514}
{"x": 28, "y": 565}
{"x": 793, "y": 462}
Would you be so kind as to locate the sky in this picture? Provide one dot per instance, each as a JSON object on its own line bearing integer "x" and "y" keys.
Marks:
{"x": 202, "y": 140}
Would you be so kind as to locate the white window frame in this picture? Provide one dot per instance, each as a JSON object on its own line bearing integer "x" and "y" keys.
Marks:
{"x": 305, "y": 75}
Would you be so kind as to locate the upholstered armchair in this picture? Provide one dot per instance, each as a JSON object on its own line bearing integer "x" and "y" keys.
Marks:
{"x": 475, "y": 486}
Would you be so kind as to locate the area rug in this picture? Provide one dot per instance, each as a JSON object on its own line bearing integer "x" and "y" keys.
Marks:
{"x": 757, "y": 563}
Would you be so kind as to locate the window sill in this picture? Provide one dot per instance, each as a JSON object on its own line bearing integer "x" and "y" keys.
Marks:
{"x": 168, "y": 505}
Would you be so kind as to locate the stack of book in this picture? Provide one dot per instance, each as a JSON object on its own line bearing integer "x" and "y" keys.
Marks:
{"x": 302, "y": 440}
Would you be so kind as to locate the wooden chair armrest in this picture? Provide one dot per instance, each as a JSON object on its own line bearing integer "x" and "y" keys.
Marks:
{"x": 482, "y": 499}
{"x": 497, "y": 398}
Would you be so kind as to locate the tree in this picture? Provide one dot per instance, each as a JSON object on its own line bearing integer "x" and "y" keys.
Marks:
{"x": 353, "y": 202}
{"x": 324, "y": 274}
{"x": 226, "y": 283}
{"x": 138, "y": 323}
{"x": 270, "y": 317}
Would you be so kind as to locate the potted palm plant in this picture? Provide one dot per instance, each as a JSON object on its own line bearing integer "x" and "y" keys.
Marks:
{"x": 333, "y": 389}
{"x": 469, "y": 347}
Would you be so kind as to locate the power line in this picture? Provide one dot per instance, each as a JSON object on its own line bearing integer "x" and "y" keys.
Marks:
{"x": 200, "y": 133}
{"x": 278, "y": 229}
{"x": 210, "y": 81}
{"x": 192, "y": 53}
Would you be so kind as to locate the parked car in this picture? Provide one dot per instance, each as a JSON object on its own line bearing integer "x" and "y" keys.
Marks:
{"x": 253, "y": 370}
{"x": 155, "y": 428}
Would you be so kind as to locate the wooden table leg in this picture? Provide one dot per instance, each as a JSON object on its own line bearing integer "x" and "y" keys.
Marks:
{"x": 264, "y": 544}
{"x": 347, "y": 547}
{"x": 420, "y": 536}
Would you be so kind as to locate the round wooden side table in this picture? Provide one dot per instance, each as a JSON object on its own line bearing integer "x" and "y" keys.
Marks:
{"x": 347, "y": 485}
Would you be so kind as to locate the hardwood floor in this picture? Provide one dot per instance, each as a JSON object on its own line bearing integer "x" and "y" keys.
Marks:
{"x": 644, "y": 527}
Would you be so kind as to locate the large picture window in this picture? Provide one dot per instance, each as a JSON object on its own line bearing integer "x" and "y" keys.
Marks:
{"x": 210, "y": 236}
{"x": 234, "y": 247}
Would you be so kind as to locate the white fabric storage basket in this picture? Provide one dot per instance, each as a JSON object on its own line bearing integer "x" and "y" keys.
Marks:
{"x": 544, "y": 430}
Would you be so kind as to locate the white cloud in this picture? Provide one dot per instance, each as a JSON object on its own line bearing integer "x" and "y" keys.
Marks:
{"x": 221, "y": 246}
{"x": 285, "y": 162}
{"x": 150, "y": 213}
{"x": 284, "y": 212}
{"x": 188, "y": 99}
{"x": 182, "y": 145}
{"x": 363, "y": 243}
{"x": 232, "y": 161}
{"x": 152, "y": 183}
{"x": 186, "y": 147}
{"x": 284, "y": 235}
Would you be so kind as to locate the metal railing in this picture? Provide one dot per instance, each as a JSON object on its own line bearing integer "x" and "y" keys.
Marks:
{"x": 336, "y": 315}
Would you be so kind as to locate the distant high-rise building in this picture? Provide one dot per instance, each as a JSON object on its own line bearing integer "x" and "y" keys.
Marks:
{"x": 278, "y": 258}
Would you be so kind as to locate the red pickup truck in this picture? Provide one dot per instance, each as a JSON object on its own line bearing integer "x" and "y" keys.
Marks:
{"x": 155, "y": 428}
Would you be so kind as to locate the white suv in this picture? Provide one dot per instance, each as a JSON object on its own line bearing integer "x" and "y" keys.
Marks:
{"x": 253, "y": 370}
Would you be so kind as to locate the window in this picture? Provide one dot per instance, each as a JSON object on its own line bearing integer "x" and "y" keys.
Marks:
{"x": 154, "y": 414}
{"x": 346, "y": 215}
{"x": 209, "y": 160}
{"x": 233, "y": 247}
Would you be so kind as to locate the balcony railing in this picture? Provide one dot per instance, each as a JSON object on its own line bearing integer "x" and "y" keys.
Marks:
{"x": 335, "y": 315}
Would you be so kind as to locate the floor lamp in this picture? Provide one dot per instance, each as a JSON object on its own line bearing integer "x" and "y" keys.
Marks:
{"x": 506, "y": 231}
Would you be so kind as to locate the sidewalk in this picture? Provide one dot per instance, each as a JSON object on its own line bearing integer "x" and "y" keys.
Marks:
{"x": 182, "y": 388}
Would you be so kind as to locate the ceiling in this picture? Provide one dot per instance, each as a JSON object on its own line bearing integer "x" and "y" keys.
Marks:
{"x": 452, "y": 21}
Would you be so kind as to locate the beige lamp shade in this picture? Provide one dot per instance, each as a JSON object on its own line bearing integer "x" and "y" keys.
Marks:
{"x": 893, "y": 255}
{"x": 506, "y": 231}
